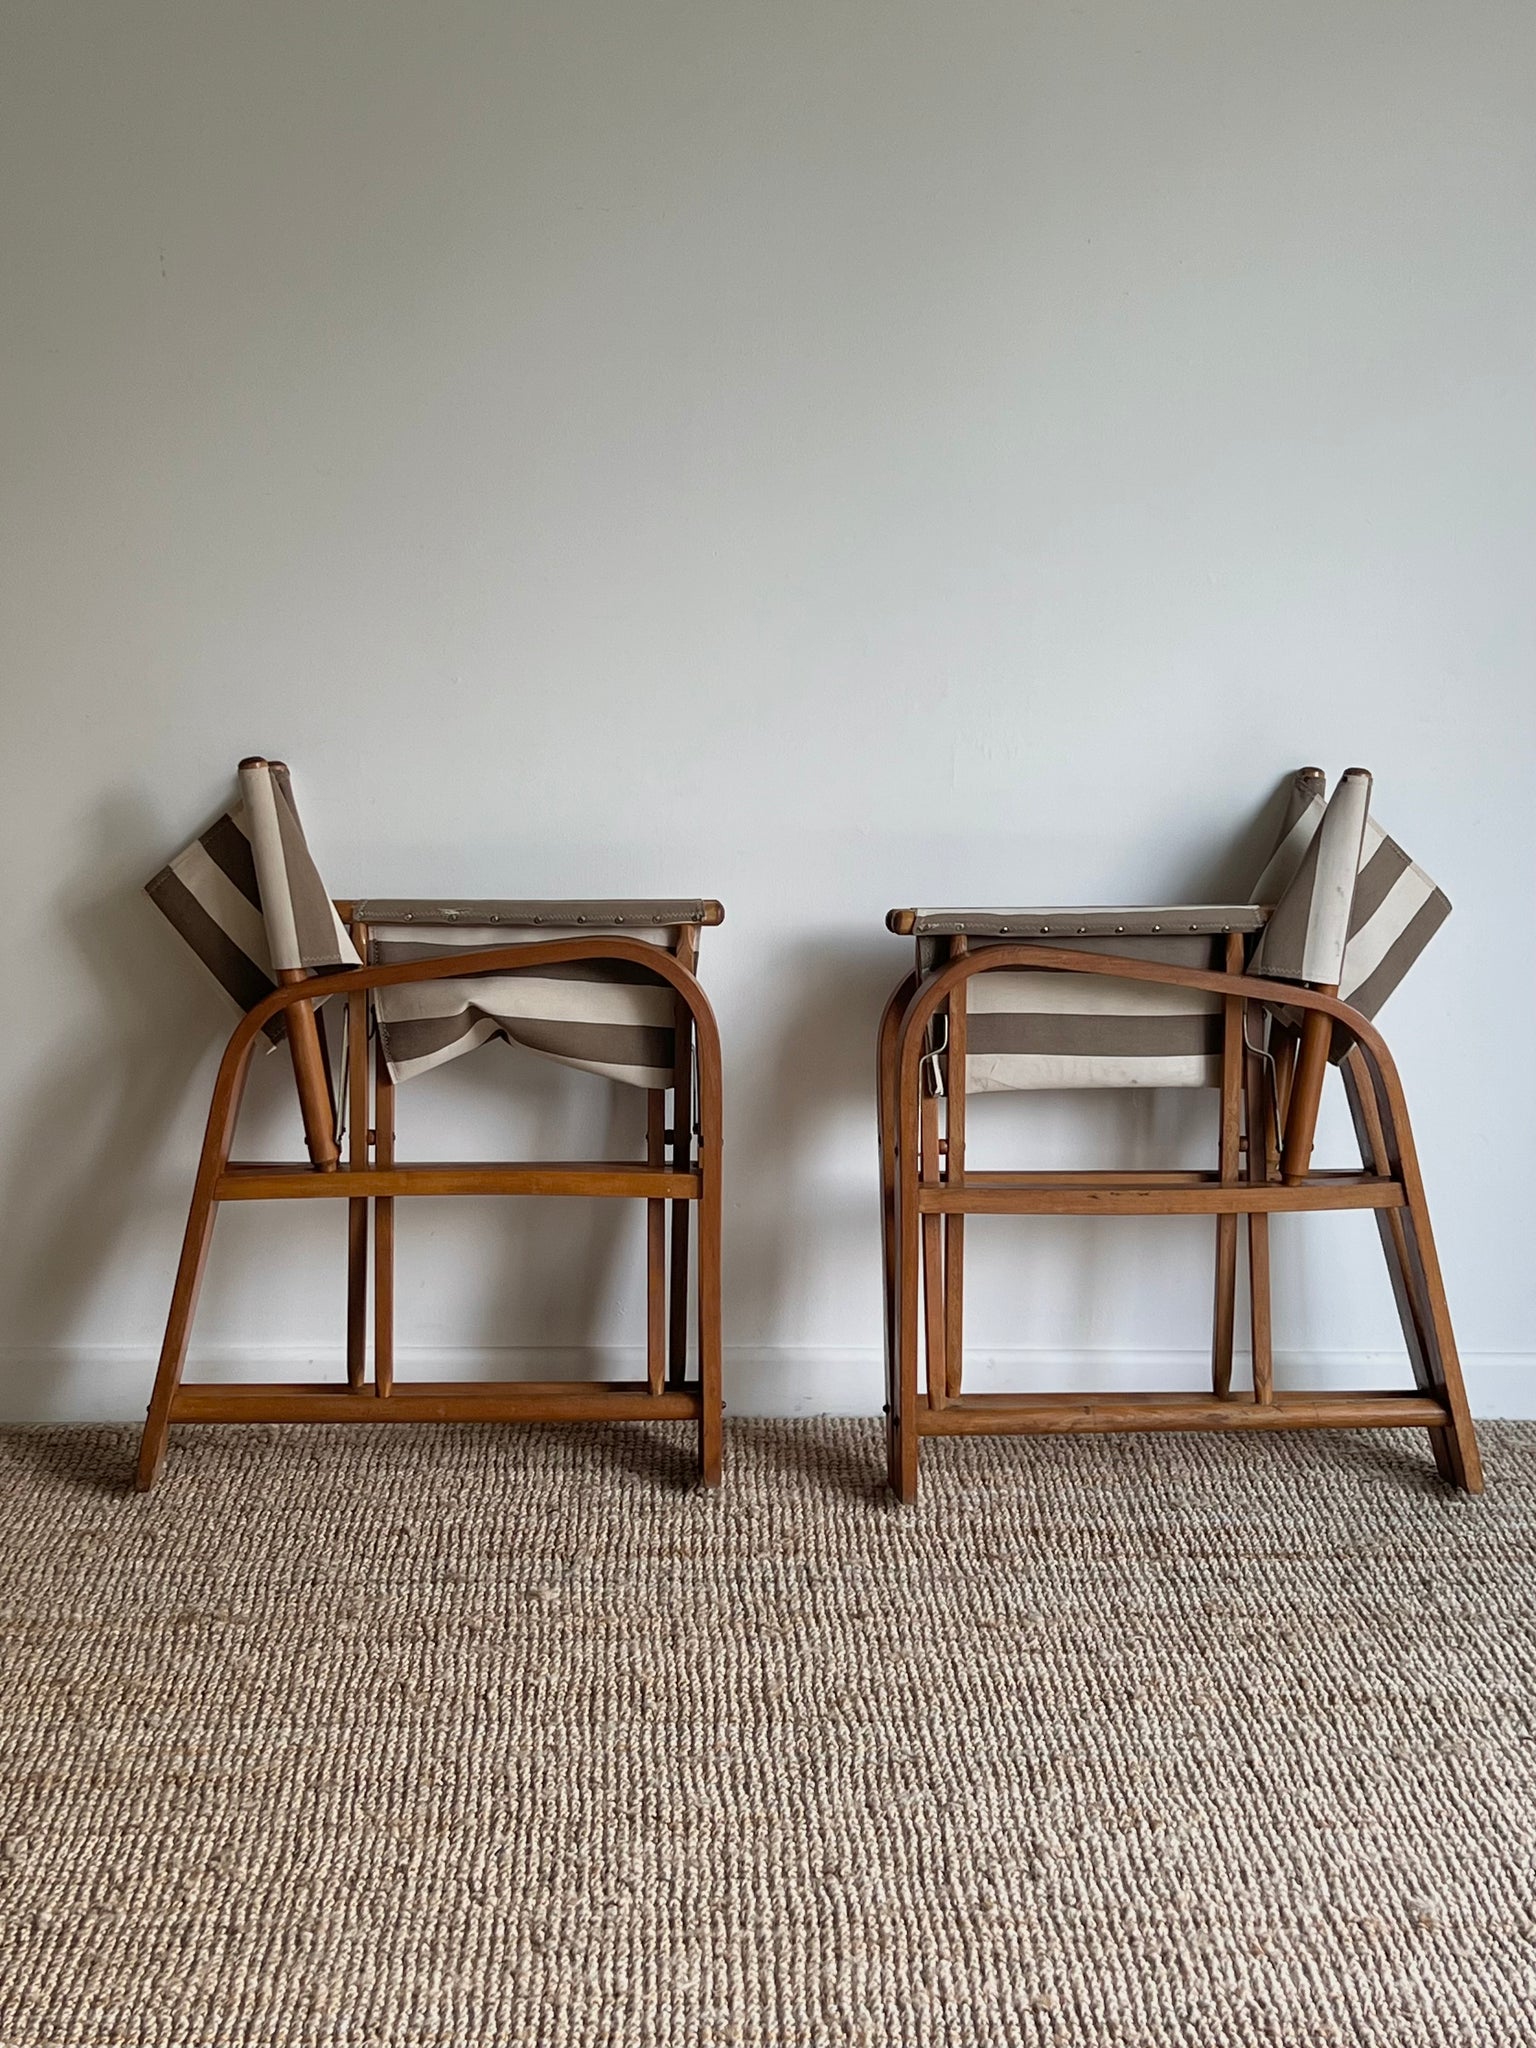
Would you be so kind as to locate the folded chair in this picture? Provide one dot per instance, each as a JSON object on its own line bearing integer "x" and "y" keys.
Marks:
{"x": 1253, "y": 1000}
{"x": 607, "y": 987}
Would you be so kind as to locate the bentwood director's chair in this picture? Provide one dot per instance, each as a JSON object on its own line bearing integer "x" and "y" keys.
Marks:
{"x": 1252, "y": 1000}
{"x": 609, "y": 987}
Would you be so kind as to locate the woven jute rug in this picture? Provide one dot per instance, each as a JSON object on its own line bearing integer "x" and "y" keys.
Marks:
{"x": 435, "y": 1738}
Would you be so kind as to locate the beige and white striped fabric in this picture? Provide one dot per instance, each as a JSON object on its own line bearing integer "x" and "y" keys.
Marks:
{"x": 1349, "y": 908}
{"x": 304, "y": 933}
{"x": 211, "y": 896}
{"x": 247, "y": 898}
{"x": 1355, "y": 910}
{"x": 608, "y": 1017}
{"x": 1031, "y": 1028}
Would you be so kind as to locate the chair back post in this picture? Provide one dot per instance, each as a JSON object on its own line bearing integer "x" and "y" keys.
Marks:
{"x": 1306, "y": 1093}
{"x": 263, "y": 785}
{"x": 1304, "y": 942}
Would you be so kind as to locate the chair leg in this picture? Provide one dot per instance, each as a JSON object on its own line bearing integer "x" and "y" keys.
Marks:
{"x": 954, "y": 1170}
{"x": 178, "y": 1332}
{"x": 682, "y": 1161}
{"x": 357, "y": 1211}
{"x": 935, "y": 1359}
{"x": 954, "y": 1306}
{"x": 1460, "y": 1440}
{"x": 1260, "y": 1155}
{"x": 711, "y": 1425}
{"x": 656, "y": 1248}
{"x": 384, "y": 1235}
{"x": 1224, "y": 1307}
{"x": 1259, "y": 1311}
{"x": 904, "y": 1446}
{"x": 357, "y": 1295}
{"x": 1224, "y": 1312}
{"x": 1405, "y": 1270}
{"x": 887, "y": 1053}
{"x": 223, "y": 1113}
{"x": 711, "y": 1392}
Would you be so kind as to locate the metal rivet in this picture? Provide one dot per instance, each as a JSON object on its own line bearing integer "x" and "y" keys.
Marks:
{"x": 580, "y": 917}
{"x": 1157, "y": 927}
{"x": 1119, "y": 927}
{"x": 1082, "y": 928}
{"x": 618, "y": 919}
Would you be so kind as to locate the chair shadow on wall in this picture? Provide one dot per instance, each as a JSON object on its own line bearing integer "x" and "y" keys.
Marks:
{"x": 76, "y": 1173}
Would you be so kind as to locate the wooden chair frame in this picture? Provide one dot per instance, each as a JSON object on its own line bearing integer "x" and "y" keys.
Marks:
{"x": 372, "y": 1179}
{"x": 927, "y": 1192}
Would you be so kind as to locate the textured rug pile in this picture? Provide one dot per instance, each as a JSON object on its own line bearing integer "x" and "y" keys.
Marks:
{"x": 467, "y": 1738}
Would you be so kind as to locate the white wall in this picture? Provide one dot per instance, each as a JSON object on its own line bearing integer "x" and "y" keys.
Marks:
{"x": 823, "y": 455}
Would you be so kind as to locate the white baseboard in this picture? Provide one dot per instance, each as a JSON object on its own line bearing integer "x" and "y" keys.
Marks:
{"x": 108, "y": 1383}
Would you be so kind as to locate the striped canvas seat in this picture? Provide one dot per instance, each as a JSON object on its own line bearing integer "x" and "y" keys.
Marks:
{"x": 606, "y": 1017}
{"x": 1029, "y": 1028}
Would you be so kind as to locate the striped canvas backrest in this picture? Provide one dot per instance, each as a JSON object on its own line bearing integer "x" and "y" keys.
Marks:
{"x": 1392, "y": 908}
{"x": 1303, "y": 807}
{"x": 1305, "y": 937}
{"x": 303, "y": 931}
{"x": 1397, "y": 911}
{"x": 211, "y": 896}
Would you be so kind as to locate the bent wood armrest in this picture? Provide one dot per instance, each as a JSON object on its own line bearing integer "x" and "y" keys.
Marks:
{"x": 316, "y": 988}
{"x": 937, "y": 987}
{"x": 1122, "y": 967}
{"x": 492, "y": 960}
